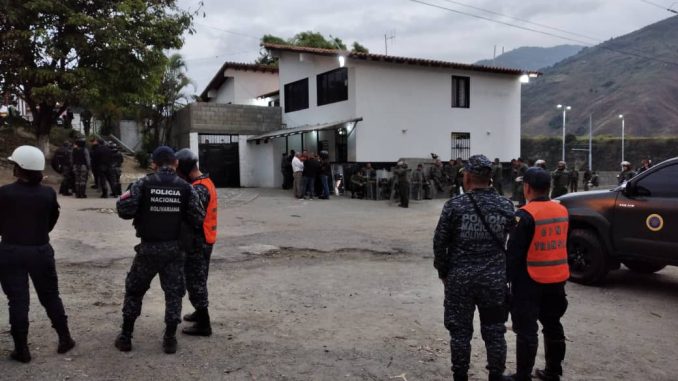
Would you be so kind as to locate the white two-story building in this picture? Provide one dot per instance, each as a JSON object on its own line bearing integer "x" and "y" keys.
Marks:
{"x": 376, "y": 108}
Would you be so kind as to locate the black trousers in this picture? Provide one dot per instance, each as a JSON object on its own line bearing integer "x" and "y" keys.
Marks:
{"x": 546, "y": 304}
{"x": 17, "y": 264}
{"x": 106, "y": 175}
{"x": 404, "y": 191}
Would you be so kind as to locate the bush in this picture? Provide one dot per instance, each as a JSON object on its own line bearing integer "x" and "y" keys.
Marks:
{"x": 143, "y": 158}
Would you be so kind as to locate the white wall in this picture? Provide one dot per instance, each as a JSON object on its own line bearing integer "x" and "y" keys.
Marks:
{"x": 130, "y": 134}
{"x": 295, "y": 66}
{"x": 243, "y": 87}
{"x": 395, "y": 97}
{"x": 260, "y": 163}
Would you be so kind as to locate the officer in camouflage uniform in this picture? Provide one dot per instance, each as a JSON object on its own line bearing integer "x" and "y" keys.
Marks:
{"x": 402, "y": 176}
{"x": 161, "y": 204}
{"x": 560, "y": 180}
{"x": 81, "y": 167}
{"x": 198, "y": 246}
{"x": 116, "y": 169}
{"x": 471, "y": 262}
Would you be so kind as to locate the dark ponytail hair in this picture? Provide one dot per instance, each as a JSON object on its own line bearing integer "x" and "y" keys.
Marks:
{"x": 30, "y": 177}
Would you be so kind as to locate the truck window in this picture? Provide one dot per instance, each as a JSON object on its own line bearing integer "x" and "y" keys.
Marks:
{"x": 662, "y": 183}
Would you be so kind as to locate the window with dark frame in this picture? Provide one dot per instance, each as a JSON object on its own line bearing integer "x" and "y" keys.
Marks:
{"x": 461, "y": 90}
{"x": 461, "y": 145}
{"x": 332, "y": 86}
{"x": 296, "y": 95}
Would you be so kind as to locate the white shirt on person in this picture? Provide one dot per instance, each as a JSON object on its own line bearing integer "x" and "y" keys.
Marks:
{"x": 297, "y": 165}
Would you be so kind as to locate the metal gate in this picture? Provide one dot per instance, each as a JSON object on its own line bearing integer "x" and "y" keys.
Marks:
{"x": 461, "y": 145}
{"x": 219, "y": 156}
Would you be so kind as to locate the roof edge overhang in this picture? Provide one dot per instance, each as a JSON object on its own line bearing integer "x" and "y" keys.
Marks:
{"x": 302, "y": 129}
{"x": 401, "y": 60}
{"x": 219, "y": 78}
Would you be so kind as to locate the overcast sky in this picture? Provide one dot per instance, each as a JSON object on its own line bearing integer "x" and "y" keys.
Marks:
{"x": 231, "y": 30}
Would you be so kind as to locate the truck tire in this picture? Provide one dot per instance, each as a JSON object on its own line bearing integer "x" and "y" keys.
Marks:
{"x": 643, "y": 267}
{"x": 587, "y": 257}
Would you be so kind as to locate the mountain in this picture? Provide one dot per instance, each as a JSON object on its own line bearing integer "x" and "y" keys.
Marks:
{"x": 635, "y": 75}
{"x": 533, "y": 58}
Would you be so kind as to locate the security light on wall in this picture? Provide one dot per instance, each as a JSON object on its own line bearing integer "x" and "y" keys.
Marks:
{"x": 342, "y": 61}
{"x": 524, "y": 78}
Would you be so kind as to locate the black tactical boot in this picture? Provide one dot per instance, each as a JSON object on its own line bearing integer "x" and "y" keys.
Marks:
{"x": 202, "y": 326}
{"x": 192, "y": 317}
{"x": 554, "y": 354}
{"x": 545, "y": 375}
{"x": 124, "y": 340}
{"x": 169, "y": 340}
{"x": 460, "y": 377}
{"x": 66, "y": 342}
{"x": 20, "y": 352}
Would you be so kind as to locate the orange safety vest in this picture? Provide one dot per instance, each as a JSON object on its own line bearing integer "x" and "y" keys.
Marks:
{"x": 547, "y": 255}
{"x": 210, "y": 224}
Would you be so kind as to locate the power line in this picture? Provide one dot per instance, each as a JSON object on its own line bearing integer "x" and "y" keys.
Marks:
{"x": 602, "y": 46}
{"x": 221, "y": 56}
{"x": 228, "y": 31}
{"x": 523, "y": 20}
{"x": 662, "y": 7}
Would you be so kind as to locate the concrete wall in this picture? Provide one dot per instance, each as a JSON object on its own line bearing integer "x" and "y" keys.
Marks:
{"x": 392, "y": 98}
{"x": 260, "y": 163}
{"x": 214, "y": 118}
{"x": 130, "y": 134}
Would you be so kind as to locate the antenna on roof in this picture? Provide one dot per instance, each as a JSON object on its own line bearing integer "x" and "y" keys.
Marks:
{"x": 388, "y": 36}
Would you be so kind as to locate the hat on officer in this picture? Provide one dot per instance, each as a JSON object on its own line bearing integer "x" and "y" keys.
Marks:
{"x": 163, "y": 155}
{"x": 537, "y": 178}
{"x": 29, "y": 158}
{"x": 479, "y": 165}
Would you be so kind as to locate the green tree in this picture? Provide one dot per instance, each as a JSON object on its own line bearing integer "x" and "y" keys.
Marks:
{"x": 358, "y": 48}
{"x": 104, "y": 53}
{"x": 168, "y": 98}
{"x": 307, "y": 39}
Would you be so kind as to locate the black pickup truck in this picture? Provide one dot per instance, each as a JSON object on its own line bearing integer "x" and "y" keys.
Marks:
{"x": 635, "y": 224}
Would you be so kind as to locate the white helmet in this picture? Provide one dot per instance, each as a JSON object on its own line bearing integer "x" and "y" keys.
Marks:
{"x": 625, "y": 164}
{"x": 29, "y": 158}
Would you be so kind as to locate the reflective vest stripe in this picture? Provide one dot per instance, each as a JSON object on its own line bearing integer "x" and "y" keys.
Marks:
{"x": 547, "y": 253}
{"x": 548, "y": 263}
{"x": 551, "y": 221}
{"x": 210, "y": 224}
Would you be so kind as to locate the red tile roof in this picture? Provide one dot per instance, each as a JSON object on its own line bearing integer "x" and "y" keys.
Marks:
{"x": 219, "y": 78}
{"x": 399, "y": 60}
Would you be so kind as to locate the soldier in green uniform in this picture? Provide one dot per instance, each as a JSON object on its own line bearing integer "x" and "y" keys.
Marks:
{"x": 497, "y": 176}
{"x": 560, "y": 180}
{"x": 402, "y": 174}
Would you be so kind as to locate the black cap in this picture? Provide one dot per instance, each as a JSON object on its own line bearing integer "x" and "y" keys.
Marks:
{"x": 537, "y": 178}
{"x": 163, "y": 155}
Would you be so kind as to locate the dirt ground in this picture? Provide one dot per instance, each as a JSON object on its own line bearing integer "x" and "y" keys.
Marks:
{"x": 317, "y": 290}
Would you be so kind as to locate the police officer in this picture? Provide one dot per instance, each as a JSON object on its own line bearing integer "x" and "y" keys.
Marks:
{"x": 519, "y": 169}
{"x": 81, "y": 167}
{"x": 199, "y": 248}
{"x": 159, "y": 204}
{"x": 116, "y": 170}
{"x": 420, "y": 182}
{"x": 537, "y": 270}
{"x": 62, "y": 163}
{"x": 560, "y": 179}
{"x": 29, "y": 212}
{"x": 471, "y": 262}
{"x": 102, "y": 158}
{"x": 402, "y": 174}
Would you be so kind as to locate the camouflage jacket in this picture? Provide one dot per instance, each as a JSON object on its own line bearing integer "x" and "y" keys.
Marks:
{"x": 461, "y": 240}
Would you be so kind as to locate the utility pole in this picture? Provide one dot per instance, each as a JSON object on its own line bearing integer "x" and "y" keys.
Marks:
{"x": 388, "y": 36}
{"x": 590, "y": 143}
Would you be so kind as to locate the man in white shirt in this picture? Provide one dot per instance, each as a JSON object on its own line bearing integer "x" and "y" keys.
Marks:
{"x": 297, "y": 169}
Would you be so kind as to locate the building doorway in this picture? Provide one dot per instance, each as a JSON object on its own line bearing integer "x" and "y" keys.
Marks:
{"x": 219, "y": 156}
{"x": 341, "y": 145}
